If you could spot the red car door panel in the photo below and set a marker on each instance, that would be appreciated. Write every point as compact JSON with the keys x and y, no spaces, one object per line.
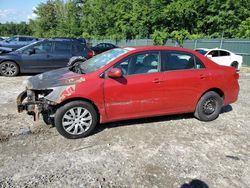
{"x":133,"y":96}
{"x":182,"y":89}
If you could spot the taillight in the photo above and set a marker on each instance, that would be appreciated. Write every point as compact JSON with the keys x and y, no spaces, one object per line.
{"x":236,"y":75}
{"x":90,"y":54}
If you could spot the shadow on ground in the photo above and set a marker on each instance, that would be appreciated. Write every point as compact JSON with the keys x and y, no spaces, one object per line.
{"x":104,"y":126}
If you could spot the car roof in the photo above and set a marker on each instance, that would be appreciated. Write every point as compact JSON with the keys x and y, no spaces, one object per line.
{"x":149,"y":48}
{"x":209,"y":49}
{"x":24,"y":36}
{"x":62,"y":40}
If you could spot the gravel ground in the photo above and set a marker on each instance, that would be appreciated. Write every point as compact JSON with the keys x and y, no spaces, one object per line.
{"x":171,"y":151}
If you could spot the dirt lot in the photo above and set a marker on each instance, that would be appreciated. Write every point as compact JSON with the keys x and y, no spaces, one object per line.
{"x":157,"y":152}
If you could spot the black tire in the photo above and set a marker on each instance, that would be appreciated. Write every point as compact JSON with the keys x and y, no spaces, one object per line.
{"x":65,"y":111}
{"x":209,"y":106}
{"x":9,"y":69}
{"x":235,"y":65}
{"x":48,"y":120}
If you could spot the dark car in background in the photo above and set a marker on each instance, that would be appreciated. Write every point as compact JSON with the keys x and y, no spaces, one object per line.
{"x":41,"y":56}
{"x":18,"y":41}
{"x":102,"y":47}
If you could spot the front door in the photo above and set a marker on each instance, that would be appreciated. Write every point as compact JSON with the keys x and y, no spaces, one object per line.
{"x":138,"y":93}
{"x":37,"y":58}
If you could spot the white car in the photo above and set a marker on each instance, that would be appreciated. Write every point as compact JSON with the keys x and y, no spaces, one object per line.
{"x":222,"y":57}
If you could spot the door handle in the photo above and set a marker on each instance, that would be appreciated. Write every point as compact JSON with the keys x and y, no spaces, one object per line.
{"x":156,"y":80}
{"x":202,"y":76}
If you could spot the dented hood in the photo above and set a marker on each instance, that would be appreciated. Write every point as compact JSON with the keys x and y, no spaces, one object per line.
{"x":52,"y":79}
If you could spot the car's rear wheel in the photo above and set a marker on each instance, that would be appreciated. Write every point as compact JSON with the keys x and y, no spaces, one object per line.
{"x":209,"y":106}
{"x":235,"y":64}
{"x":9,"y":69}
{"x":76,"y":119}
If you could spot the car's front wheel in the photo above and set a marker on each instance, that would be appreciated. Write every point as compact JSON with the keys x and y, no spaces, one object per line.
{"x":209,"y":106}
{"x":9,"y":69}
{"x":76,"y":119}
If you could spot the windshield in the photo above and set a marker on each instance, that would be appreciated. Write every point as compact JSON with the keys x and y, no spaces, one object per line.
{"x":101,"y":60}
{"x":201,"y":51}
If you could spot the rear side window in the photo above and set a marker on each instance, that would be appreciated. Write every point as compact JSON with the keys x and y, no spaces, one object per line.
{"x":78,"y":48}
{"x":172,"y":60}
{"x":224,"y":53}
{"x":29,"y":39}
{"x":62,"y":47}
{"x":214,"y":53}
{"x":22,"y":39}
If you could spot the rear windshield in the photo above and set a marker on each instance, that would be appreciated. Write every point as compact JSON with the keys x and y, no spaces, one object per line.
{"x":203,"y":52}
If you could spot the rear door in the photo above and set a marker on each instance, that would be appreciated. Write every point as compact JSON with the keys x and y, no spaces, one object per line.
{"x":184,"y":79}
{"x":60,"y":55}
{"x":39,"y":60}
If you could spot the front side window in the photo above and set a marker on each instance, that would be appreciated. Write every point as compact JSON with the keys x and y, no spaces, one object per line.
{"x":38,"y":48}
{"x":141,"y":63}
{"x":12,"y":39}
{"x":180,"y":61}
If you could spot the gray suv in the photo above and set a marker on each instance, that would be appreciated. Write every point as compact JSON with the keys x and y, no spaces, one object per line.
{"x":41,"y":56}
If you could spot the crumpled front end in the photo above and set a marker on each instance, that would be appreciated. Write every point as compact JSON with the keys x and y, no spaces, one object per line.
{"x":34,"y":103}
{"x":45,"y":91}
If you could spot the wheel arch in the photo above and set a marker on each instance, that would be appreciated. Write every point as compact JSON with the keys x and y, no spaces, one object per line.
{"x":235,"y":64}
{"x":81,"y":99}
{"x":215,"y":89}
{"x":11,"y":60}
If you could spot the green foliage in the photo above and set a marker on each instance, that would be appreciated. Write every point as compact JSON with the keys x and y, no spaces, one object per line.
{"x":126,"y":19}
{"x":160,"y":37}
{"x":180,"y":36}
{"x":14,"y":29}
{"x":244,"y":29}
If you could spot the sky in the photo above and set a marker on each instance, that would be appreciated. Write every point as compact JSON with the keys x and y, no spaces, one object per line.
{"x":18,"y":10}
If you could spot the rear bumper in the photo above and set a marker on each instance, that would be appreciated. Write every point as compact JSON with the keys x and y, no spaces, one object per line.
{"x":233,"y":94}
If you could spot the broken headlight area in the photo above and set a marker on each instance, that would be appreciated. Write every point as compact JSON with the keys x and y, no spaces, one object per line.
{"x":34,"y":102}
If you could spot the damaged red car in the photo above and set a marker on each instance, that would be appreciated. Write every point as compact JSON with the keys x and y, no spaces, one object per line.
{"x":129,"y":83}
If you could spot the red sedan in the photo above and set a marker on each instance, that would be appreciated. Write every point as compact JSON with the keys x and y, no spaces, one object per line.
{"x":128,"y":83}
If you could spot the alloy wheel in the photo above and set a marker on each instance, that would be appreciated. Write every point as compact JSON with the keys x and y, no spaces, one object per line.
{"x":77,"y":120}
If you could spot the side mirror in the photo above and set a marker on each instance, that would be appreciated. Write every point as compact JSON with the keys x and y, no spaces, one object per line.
{"x":31,"y":51}
{"x":209,"y":56}
{"x":115,"y":73}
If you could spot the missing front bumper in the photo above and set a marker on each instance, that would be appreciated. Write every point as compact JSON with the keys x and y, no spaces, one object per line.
{"x":26,"y":101}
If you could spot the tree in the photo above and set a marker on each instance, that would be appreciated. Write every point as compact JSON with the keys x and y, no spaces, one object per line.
{"x":47,"y":20}
{"x":180,"y":36}
{"x":244,"y":29}
{"x":160,"y":37}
